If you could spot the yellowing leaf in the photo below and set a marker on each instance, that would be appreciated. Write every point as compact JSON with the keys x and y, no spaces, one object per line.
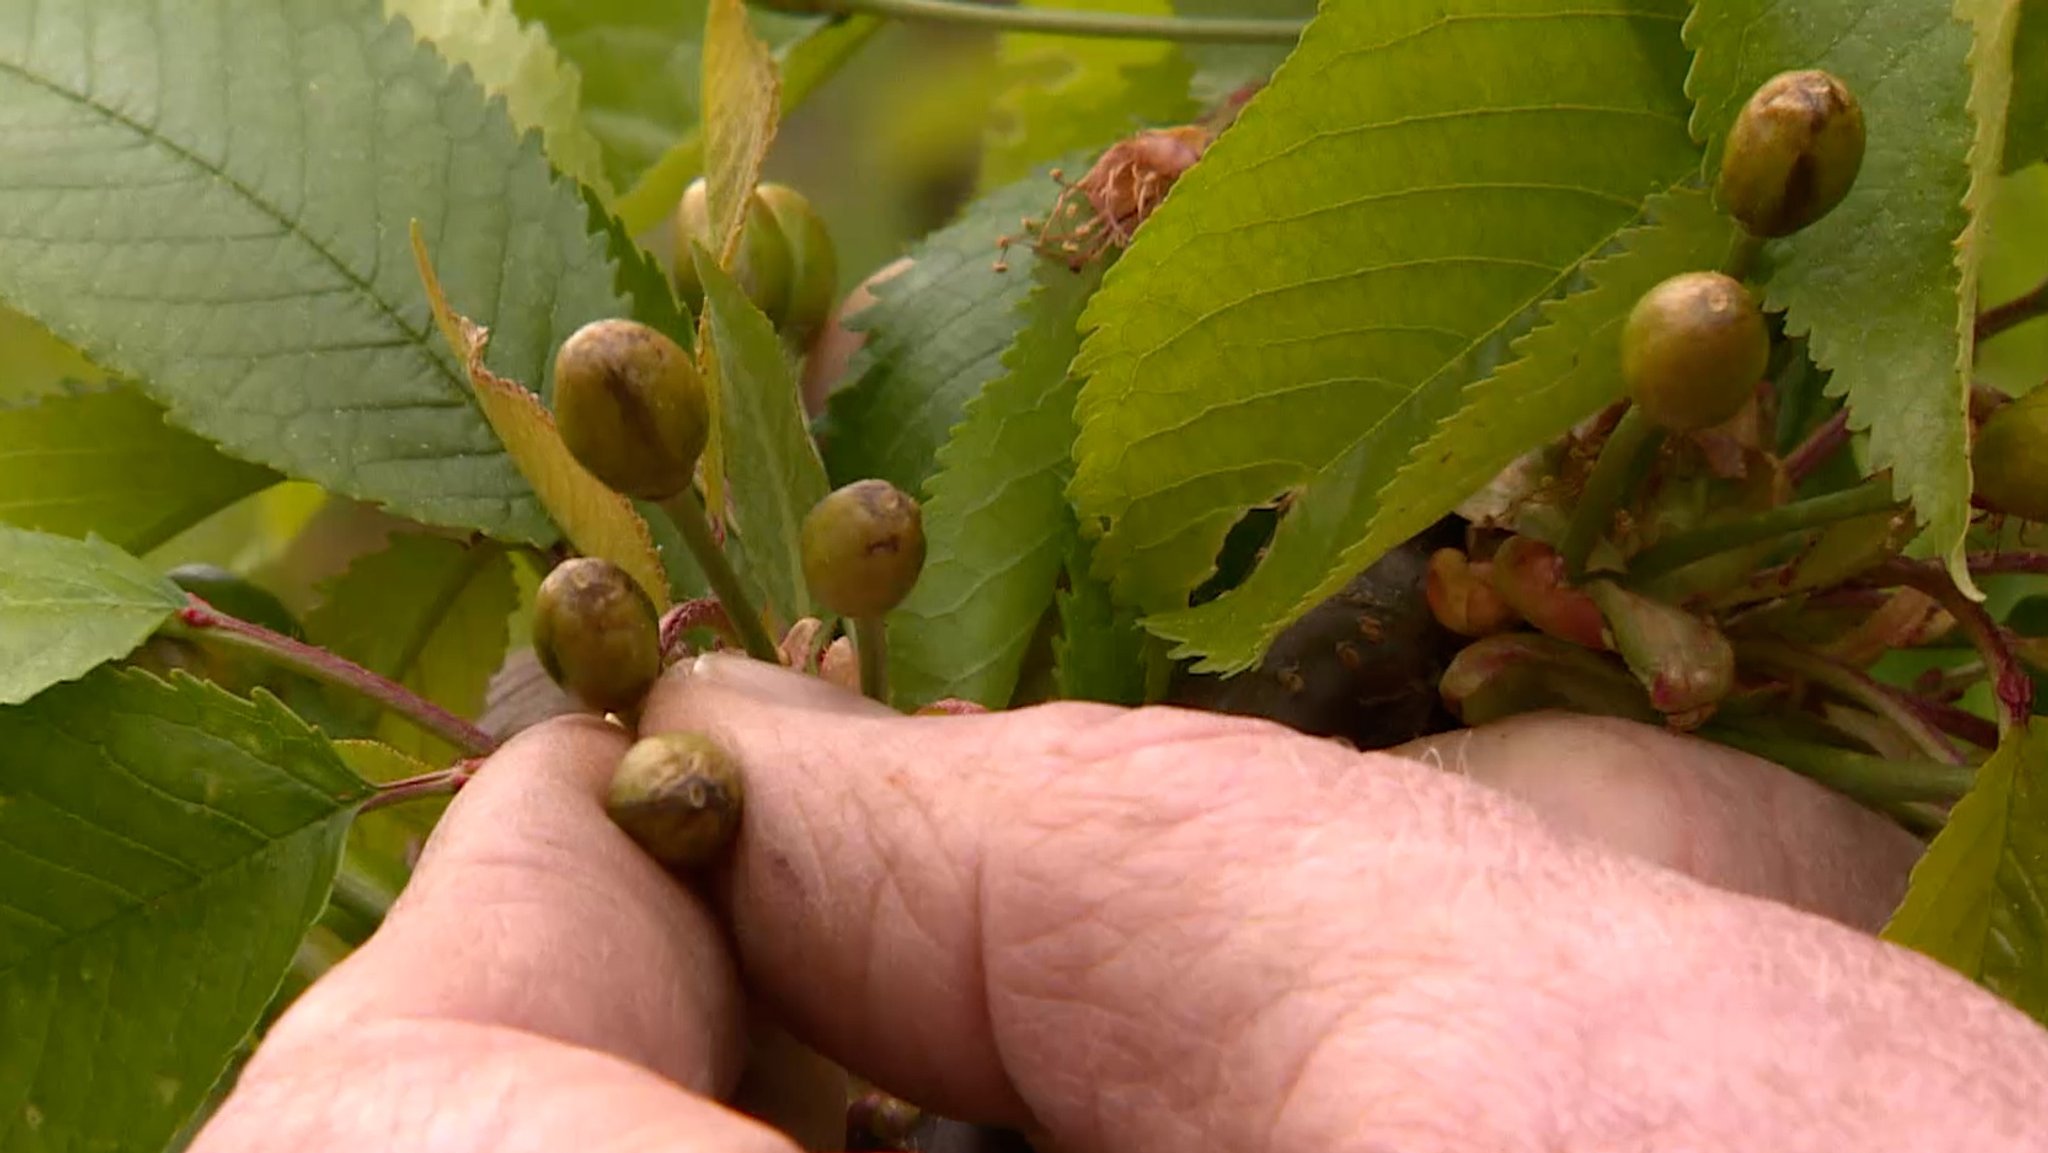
{"x":741,"y":92}
{"x":598,"y":521}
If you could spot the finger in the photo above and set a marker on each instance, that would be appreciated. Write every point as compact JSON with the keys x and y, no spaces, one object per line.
{"x":961,"y":907}
{"x":1716,"y":814}
{"x":454,"y":1087}
{"x":531,"y":911}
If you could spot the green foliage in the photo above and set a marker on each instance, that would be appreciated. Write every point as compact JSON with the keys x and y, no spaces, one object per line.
{"x":1316,"y":294}
{"x":1100,"y":654}
{"x":2026,"y":127}
{"x":104,"y":461}
{"x":429,"y":613}
{"x":1066,"y":94}
{"x":640,"y":63}
{"x":163,"y":848}
{"x":382,"y":843}
{"x":542,"y":92}
{"x":773,"y":465}
{"x":2015,"y":262}
{"x":286,"y":320}
{"x":936,"y":335}
{"x":67,"y":605}
{"x":1978,"y":901}
{"x":996,"y":520}
{"x":1876,"y":286}
{"x":1566,"y":370}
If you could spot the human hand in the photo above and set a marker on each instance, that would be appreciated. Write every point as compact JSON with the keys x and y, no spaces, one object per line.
{"x":1148,"y":930}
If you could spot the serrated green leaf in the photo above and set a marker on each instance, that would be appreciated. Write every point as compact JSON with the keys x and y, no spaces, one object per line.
{"x":1978,"y":901}
{"x":1221,"y":69}
{"x":103,"y":461}
{"x":2026,"y":127}
{"x":214,"y":206}
{"x":641,"y":278}
{"x":163,"y":848}
{"x":640,"y":69}
{"x":1100,"y":652}
{"x":1322,"y":286}
{"x":996,"y":522}
{"x":1564,"y":371}
{"x":1066,"y":94}
{"x":1877,"y":286}
{"x":429,"y":613}
{"x":33,"y":363}
{"x":2015,"y":262}
{"x":774,"y":467}
{"x":542,"y":92}
{"x":935,"y":335}
{"x":68,"y":605}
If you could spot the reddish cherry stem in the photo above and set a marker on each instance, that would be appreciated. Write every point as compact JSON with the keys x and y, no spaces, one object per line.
{"x":2013,"y":313}
{"x":2006,"y":563}
{"x":208,"y":625}
{"x":1815,"y":450}
{"x":423,"y":787}
{"x":1953,"y":721}
{"x":700,"y":613}
{"x":2010,"y":684}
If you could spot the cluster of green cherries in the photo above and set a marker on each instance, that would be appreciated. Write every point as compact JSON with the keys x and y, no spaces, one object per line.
{"x":1695,"y":345}
{"x":630,"y":405}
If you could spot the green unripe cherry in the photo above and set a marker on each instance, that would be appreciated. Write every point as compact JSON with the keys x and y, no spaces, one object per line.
{"x":1693,"y":350}
{"x":631,"y":408}
{"x":2010,"y":458}
{"x":763,"y":267}
{"x":1792,"y":154}
{"x":597,"y":634}
{"x":863,"y":548}
{"x":678,"y":795}
{"x":814,"y":263}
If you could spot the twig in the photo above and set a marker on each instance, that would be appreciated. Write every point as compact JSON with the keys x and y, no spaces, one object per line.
{"x":2013,"y":313}
{"x":1857,"y":686}
{"x":1815,"y":450}
{"x":1628,"y":453}
{"x":202,"y":623}
{"x":2004,"y":563}
{"x":2010,"y":684}
{"x":1867,"y":499}
{"x":426,"y":786}
{"x":1058,"y":21}
{"x":687,"y":511}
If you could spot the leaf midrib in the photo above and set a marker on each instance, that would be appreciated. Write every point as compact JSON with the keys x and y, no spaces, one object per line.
{"x":415,"y":338}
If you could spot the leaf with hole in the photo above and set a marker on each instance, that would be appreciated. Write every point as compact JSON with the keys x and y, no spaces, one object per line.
{"x":1978,"y":901}
{"x":163,"y":848}
{"x":69,"y":605}
{"x":1316,"y":294}
{"x":177,"y":203}
{"x":1567,"y":369}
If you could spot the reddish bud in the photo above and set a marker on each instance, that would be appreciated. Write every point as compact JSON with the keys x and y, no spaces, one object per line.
{"x":1530,"y":577}
{"x":1685,"y":663}
{"x":1462,"y":597}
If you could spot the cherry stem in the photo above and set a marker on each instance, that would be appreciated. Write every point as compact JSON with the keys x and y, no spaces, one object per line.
{"x":206,"y":625}
{"x":2010,"y":685}
{"x":1957,"y":722}
{"x":1057,"y":21}
{"x":701,"y":613}
{"x":1668,"y":556}
{"x":871,"y":644}
{"x":1815,"y":450}
{"x":686,"y":509}
{"x":1900,"y":788}
{"x":424,"y":787}
{"x":2007,"y":563}
{"x":1791,"y":661}
{"x":2013,"y":313}
{"x":1743,"y":249}
{"x":1630,"y":450}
